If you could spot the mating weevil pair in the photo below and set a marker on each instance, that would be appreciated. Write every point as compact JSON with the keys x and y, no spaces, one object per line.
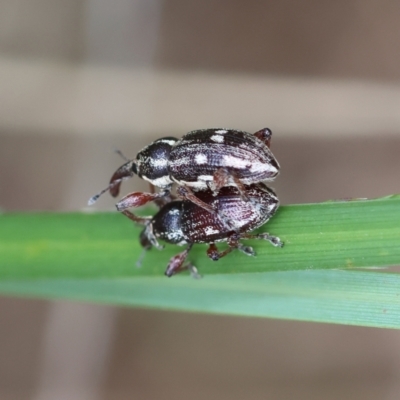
{"x":219,"y":174}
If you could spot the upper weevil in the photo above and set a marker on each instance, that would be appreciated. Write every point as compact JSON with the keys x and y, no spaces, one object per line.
{"x":202,"y":159}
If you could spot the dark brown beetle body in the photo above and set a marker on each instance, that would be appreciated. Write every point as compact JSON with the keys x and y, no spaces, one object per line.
{"x":199,"y":226}
{"x":183,"y":222}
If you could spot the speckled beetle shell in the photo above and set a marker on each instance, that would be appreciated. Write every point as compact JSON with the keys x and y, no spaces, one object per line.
{"x":203,"y":160}
{"x":183,"y":222}
{"x":200,"y":226}
{"x":195,"y":158}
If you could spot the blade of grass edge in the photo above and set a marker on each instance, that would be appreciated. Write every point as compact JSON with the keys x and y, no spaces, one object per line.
{"x":345,"y":297}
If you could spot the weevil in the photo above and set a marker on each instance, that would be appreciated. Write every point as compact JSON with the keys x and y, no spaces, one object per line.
{"x":182,"y":222}
{"x":205,"y":159}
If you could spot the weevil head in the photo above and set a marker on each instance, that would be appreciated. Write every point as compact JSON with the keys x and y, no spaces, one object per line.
{"x":125,"y":171}
{"x":167,"y":223}
{"x":152,"y":162}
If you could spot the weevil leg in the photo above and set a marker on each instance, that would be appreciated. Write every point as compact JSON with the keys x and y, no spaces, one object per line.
{"x":248,"y":250}
{"x":244,"y":249}
{"x":135,"y":218}
{"x":215,"y":254}
{"x":175,"y":264}
{"x":161,"y":201}
{"x":265,"y":136}
{"x":137,"y":199}
{"x":274,"y":240}
{"x":241,"y":188}
{"x":186,"y":193}
{"x":234,"y":242}
{"x":222,"y":177}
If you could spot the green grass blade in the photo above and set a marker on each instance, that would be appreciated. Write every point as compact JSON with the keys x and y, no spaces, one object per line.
{"x":346,"y":297}
{"x":317,"y":236}
{"x":92,"y":257}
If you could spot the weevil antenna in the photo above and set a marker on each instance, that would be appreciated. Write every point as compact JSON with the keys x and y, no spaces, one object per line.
{"x":141,"y":258}
{"x":118,"y":151}
{"x":94,"y":198}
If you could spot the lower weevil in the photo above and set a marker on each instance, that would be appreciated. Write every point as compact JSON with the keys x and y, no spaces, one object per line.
{"x":185,"y":223}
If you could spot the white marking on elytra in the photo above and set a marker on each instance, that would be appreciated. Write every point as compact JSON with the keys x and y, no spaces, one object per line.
{"x":255,"y":166}
{"x":221,"y":131}
{"x":235,"y":162}
{"x":168,"y":141}
{"x":200,"y":159}
{"x":210,"y":230}
{"x":217,"y":138}
{"x":179,"y":162}
{"x":200,"y":183}
{"x":205,"y":178}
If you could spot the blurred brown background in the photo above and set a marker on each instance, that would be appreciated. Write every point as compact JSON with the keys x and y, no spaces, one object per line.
{"x":81,"y":78}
